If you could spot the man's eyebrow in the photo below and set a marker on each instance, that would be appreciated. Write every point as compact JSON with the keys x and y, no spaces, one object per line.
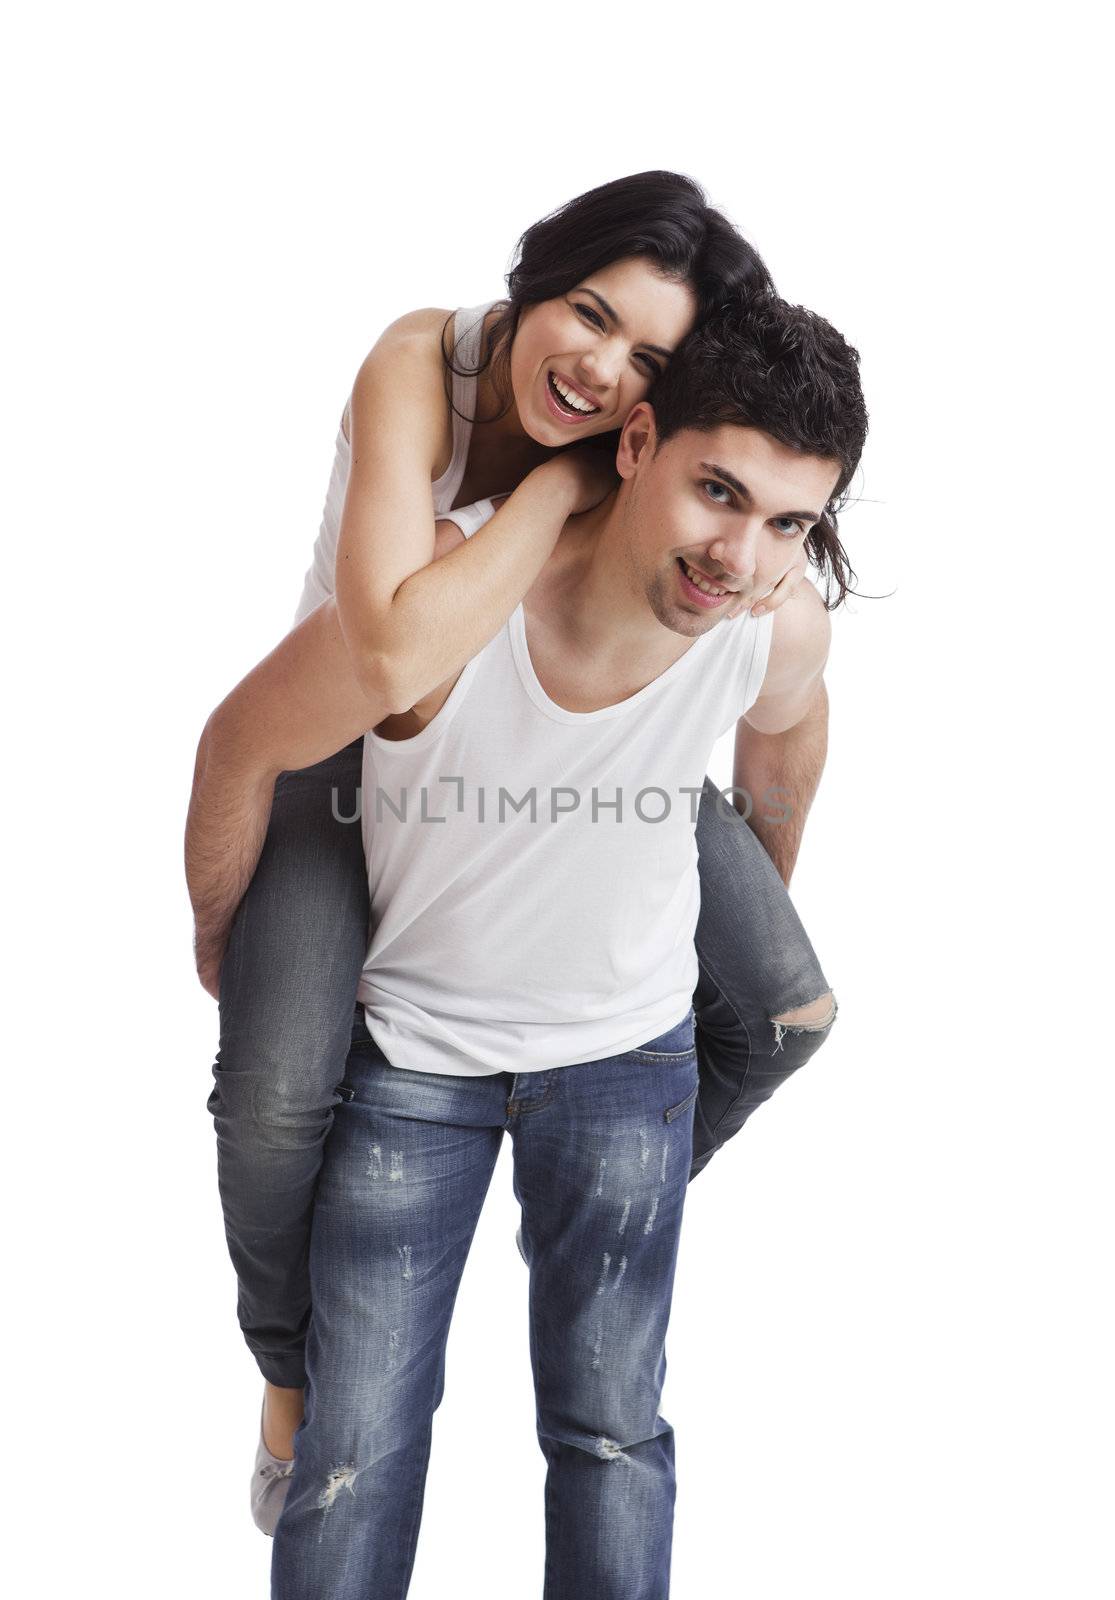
{"x":745,"y":493}
{"x":611,"y":312}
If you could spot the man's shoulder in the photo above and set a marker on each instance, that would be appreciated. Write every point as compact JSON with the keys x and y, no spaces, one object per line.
{"x":801,"y":633}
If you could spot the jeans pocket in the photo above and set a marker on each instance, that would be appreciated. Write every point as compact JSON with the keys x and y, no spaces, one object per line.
{"x":676,"y":1044}
{"x":679,"y":1110}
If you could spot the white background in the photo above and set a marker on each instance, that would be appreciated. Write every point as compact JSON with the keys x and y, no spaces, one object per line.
{"x":890,"y":1349}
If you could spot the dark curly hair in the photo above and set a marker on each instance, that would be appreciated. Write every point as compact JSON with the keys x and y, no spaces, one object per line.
{"x":662,"y":217}
{"x":780,"y":368}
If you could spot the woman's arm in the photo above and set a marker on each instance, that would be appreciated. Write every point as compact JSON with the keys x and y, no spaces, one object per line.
{"x":409,"y":622}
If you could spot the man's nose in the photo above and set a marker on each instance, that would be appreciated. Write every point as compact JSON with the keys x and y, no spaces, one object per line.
{"x":737,"y":552}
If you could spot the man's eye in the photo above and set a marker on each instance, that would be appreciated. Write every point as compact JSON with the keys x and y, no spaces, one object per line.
{"x":711,"y":483}
{"x":789,"y":526}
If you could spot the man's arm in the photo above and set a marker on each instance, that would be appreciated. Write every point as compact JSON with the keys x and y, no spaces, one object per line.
{"x":782,"y":739}
{"x":301,"y":704}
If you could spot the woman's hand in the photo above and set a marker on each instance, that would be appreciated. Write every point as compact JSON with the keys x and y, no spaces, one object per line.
{"x":587,"y":473}
{"x":783,"y":590}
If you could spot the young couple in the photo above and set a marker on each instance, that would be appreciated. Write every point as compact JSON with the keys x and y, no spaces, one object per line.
{"x":549,"y":923}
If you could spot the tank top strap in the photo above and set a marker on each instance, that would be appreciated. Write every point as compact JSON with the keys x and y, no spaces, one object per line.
{"x":468,"y":329}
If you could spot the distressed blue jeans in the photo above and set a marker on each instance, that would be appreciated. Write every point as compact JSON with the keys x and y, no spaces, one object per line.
{"x":602,"y":1153}
{"x":288,"y":986}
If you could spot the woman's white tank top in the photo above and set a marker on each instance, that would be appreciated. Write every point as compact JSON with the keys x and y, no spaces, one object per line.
{"x":468,"y":327}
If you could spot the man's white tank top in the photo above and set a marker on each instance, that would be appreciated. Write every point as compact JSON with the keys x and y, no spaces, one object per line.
{"x":468,"y":327}
{"x":537,"y":906}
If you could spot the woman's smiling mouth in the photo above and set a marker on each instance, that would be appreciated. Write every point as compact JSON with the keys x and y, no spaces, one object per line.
{"x":568,"y":403}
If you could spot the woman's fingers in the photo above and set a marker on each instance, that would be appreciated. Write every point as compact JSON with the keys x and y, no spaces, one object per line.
{"x":782,"y":590}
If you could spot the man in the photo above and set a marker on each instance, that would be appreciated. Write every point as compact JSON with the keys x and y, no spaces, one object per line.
{"x":529,"y":828}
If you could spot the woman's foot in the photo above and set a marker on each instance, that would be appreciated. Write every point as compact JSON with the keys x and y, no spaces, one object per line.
{"x":271,"y":1476}
{"x":283,"y":1410}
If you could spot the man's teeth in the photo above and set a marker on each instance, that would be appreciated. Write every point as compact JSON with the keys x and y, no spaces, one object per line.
{"x":574,"y":401}
{"x":701,"y":583}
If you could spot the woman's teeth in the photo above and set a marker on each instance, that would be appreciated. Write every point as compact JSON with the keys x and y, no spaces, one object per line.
{"x":699,"y":582}
{"x":570,"y":399}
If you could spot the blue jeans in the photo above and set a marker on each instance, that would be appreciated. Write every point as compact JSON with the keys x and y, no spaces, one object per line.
{"x":288,"y":986}
{"x":602,"y":1152}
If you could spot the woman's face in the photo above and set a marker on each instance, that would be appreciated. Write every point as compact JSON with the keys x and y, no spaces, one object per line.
{"x":580,"y":362}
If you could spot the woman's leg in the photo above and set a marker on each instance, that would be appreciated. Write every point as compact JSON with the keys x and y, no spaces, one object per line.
{"x":288,"y":986}
{"x":756,"y":966}
{"x":407,"y":1167}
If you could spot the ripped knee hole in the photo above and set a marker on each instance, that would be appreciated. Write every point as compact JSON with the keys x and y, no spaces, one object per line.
{"x":816,"y":1014}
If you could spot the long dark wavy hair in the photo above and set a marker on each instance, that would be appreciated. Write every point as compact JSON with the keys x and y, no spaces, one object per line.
{"x":660,"y":216}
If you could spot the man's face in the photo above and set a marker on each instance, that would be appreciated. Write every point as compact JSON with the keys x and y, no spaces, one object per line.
{"x":714,"y":520}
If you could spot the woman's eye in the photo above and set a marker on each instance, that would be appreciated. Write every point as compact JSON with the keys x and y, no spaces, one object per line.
{"x":651,"y":367}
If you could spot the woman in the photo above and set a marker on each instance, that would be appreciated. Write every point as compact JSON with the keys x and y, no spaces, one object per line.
{"x":602,"y":292}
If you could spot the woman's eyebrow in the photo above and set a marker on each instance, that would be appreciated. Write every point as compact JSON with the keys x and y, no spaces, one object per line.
{"x":611,"y":312}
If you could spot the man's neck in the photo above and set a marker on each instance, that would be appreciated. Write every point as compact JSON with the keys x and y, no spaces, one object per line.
{"x":591,"y":595}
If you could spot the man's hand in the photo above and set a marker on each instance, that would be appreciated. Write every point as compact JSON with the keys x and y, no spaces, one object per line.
{"x":208,"y":961}
{"x":298,"y":706}
{"x":230,"y":807}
